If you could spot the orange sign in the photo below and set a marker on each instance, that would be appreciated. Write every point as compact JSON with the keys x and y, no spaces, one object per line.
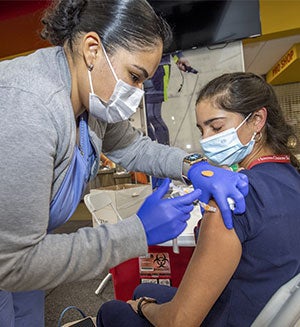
{"x":285,"y":61}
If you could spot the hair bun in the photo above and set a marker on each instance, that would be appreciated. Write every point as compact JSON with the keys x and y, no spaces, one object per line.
{"x":61,"y":19}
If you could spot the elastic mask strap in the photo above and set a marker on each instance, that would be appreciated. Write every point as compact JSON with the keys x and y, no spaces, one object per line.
{"x":90,"y":79}
{"x":109,"y":63}
{"x":243,"y":121}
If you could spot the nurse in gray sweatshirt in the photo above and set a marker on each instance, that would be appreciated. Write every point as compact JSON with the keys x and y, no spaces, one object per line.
{"x":60,"y":108}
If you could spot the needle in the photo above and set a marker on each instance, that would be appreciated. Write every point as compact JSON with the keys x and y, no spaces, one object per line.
{"x":206,"y":206}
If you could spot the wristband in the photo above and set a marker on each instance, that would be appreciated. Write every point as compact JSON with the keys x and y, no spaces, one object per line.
{"x":144,"y":300}
{"x":188,"y":161}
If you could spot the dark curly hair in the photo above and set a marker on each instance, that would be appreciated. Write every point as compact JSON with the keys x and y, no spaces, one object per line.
{"x":130,"y":24}
{"x":245,"y":93}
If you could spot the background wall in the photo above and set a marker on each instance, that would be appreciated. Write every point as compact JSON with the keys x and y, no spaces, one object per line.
{"x":20,"y":26}
{"x":289,"y":99}
{"x":179,"y":111}
{"x":279,"y":18}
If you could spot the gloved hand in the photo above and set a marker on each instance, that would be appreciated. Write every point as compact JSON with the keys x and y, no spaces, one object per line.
{"x":165,"y":219}
{"x":220,"y":184}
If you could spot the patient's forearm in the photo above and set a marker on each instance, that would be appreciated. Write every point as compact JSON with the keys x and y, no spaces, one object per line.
{"x":160,"y":315}
{"x":167,"y":315}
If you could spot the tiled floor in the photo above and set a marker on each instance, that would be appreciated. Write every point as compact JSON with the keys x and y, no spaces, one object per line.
{"x":79,"y":294}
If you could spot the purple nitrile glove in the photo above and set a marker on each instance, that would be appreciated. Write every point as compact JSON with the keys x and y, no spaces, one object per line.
{"x":165,"y":219}
{"x":220,"y":184}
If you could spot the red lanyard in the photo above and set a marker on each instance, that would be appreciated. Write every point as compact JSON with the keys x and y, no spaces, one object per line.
{"x":275,"y":158}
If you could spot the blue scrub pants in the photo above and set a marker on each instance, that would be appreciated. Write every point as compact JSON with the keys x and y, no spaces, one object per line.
{"x":22,"y":309}
{"x":120,"y":314}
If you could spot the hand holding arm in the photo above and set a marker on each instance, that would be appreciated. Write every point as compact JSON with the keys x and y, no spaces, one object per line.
{"x":220,"y":184}
{"x":165,"y":219}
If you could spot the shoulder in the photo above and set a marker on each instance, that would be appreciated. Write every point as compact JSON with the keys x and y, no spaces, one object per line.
{"x":35,"y":99}
{"x":38,"y":84}
{"x":35,"y":72}
{"x":43,"y":74}
{"x":274,"y":192}
{"x":269,"y":175}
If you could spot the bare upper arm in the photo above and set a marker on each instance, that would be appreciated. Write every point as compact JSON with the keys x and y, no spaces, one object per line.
{"x":213,"y":263}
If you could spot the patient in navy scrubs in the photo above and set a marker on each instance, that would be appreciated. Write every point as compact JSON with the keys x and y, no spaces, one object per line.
{"x":233,"y":273}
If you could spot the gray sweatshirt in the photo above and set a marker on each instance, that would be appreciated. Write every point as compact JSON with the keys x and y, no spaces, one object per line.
{"x":38,"y":135}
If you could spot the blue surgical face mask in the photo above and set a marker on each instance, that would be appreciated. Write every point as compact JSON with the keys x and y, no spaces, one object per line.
{"x":226,"y":148}
{"x":122,"y":104}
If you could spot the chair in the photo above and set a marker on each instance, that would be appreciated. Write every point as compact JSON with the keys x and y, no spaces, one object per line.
{"x":283,"y":309}
{"x":103,"y":211}
{"x":114,"y":204}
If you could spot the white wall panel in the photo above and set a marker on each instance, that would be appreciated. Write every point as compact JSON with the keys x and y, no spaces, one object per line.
{"x":179,"y":111}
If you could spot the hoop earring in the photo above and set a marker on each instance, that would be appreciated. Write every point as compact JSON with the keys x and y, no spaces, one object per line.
{"x":90,"y":67}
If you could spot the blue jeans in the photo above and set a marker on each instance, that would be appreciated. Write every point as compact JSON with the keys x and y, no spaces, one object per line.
{"x":22,"y":309}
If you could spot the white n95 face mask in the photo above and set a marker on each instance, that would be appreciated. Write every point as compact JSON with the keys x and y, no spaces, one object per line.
{"x":122,"y":104}
{"x":226,"y":148}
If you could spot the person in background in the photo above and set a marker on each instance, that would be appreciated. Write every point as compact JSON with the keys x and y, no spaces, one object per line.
{"x":156,"y":92}
{"x":60,"y":108}
{"x":232,"y":273}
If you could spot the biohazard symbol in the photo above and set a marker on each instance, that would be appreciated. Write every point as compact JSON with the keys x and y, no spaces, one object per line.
{"x":161,"y":260}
